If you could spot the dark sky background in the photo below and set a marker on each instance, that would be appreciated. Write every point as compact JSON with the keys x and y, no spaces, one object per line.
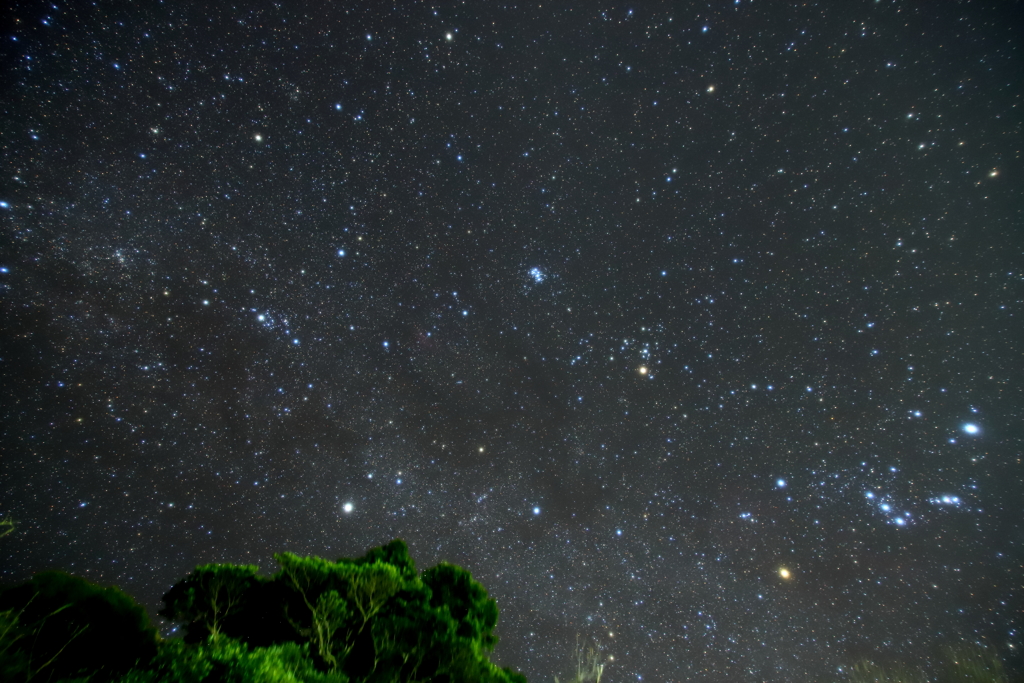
{"x":633,"y":310}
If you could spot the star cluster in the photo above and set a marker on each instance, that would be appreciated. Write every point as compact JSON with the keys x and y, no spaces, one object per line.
{"x":692,"y":329}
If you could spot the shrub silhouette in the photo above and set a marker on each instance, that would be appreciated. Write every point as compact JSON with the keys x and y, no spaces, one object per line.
{"x":62,"y":626}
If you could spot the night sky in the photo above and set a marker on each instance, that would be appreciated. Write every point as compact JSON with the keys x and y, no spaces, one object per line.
{"x":691,"y":328}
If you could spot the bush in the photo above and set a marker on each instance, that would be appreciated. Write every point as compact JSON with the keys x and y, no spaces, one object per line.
{"x":60,"y":626}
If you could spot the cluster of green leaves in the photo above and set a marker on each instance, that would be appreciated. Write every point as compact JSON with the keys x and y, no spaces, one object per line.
{"x":225,"y":660}
{"x":59,"y":626}
{"x":372,"y":619}
{"x":587,"y":664}
{"x":964,"y":663}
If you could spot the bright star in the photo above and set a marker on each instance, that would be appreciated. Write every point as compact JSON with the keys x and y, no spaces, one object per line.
{"x":347,"y":507}
{"x":784,"y":573}
{"x":972,"y":428}
{"x":536,"y":511}
{"x":780,"y":483}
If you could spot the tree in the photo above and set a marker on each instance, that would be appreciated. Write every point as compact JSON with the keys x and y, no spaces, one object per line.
{"x":7,"y":526}
{"x":320,"y":585}
{"x":61,"y":626}
{"x":371,"y":619}
{"x":369,"y":587}
{"x":586,"y":663}
{"x":971,"y":663}
{"x":454,"y":590}
{"x":960,"y":663}
{"x":316,"y":581}
{"x":870,"y":672}
{"x":229,"y":661}
{"x":395,"y":553}
{"x":18,"y":662}
{"x":402,"y":644}
{"x":209,"y":596}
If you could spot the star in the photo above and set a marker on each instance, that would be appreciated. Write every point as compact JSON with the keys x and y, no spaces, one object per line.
{"x":802,"y":233}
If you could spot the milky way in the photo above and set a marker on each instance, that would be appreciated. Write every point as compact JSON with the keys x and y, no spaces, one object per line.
{"x":691,"y":329}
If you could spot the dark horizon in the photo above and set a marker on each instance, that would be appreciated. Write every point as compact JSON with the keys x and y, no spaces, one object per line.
{"x":693,"y":329}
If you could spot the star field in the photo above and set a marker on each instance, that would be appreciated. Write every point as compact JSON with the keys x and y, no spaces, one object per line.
{"x":693,"y":329}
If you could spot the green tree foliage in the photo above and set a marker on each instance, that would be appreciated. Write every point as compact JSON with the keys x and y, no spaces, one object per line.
{"x":454,"y":591}
{"x":971,"y":663}
{"x":869,"y":672}
{"x":224,"y":660}
{"x":587,"y":664}
{"x":372,"y":619}
{"x":209,"y":597}
{"x":962,"y":663}
{"x":395,"y":553}
{"x":59,"y":626}
{"x":7,"y":526}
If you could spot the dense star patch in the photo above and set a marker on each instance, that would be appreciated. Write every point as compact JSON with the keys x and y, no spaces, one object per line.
{"x":693,"y":330}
